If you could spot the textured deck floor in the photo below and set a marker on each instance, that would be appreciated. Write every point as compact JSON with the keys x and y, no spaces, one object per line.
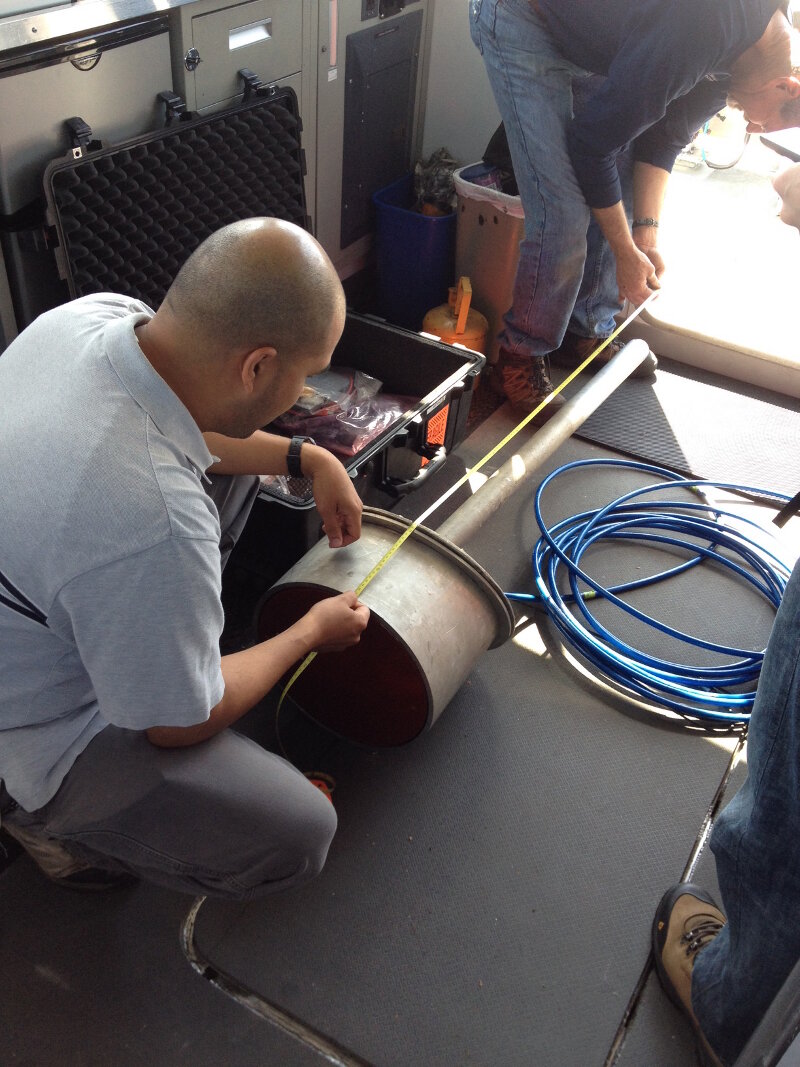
{"x":487,"y":899}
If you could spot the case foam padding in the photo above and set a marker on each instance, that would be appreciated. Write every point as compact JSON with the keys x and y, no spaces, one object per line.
{"x":128,"y":216}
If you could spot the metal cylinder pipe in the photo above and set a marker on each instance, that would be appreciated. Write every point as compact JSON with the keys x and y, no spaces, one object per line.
{"x":515,"y":473}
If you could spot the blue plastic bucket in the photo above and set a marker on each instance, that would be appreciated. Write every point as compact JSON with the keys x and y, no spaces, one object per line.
{"x":415,"y":256}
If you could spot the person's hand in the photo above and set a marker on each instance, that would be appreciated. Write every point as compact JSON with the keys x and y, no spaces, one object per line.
{"x":787,"y":186}
{"x":337,"y":501}
{"x":646,"y":240}
{"x":639,"y":273}
{"x":338,"y":622}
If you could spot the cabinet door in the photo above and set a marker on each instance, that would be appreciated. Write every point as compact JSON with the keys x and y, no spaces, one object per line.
{"x":264,"y":35}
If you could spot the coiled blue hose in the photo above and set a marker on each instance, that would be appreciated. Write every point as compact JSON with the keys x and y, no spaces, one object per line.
{"x":724,"y":693}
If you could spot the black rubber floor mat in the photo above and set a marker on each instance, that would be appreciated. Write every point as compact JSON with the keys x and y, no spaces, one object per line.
{"x":703,"y":425}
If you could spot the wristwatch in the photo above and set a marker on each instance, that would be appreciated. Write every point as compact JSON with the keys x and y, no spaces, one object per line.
{"x":293,"y":455}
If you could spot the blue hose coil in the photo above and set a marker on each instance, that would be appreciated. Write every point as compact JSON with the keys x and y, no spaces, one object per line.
{"x":697,"y":693}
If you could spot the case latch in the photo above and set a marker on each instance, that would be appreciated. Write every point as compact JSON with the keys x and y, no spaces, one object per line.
{"x":173,"y":105}
{"x":80,"y":133}
{"x":253,"y":85}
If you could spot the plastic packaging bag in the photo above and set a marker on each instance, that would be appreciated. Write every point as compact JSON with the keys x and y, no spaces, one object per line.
{"x":343,"y":411}
{"x":333,"y":390}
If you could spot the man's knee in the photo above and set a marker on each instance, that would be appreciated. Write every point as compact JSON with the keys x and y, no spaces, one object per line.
{"x":297,"y":853}
{"x":313,"y":840}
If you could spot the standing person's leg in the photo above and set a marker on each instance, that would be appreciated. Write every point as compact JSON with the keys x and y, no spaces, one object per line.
{"x":732,"y":976}
{"x":224,"y":817}
{"x":598,"y":304}
{"x":598,"y":298}
{"x":532,"y":85}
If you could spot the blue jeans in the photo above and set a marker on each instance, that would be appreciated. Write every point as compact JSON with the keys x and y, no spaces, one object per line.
{"x":756,"y":845}
{"x":566,"y":276}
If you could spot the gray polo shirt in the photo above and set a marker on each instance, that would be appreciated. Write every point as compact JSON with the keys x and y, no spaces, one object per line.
{"x":106,"y":529}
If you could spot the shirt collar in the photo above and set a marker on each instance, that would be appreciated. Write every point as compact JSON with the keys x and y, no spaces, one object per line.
{"x":151,"y":392}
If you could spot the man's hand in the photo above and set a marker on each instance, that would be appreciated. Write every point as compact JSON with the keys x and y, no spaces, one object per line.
{"x":337,"y":501}
{"x":338,"y":622}
{"x":639,"y":263}
{"x":787,"y":186}
{"x":638,"y":273}
{"x":330,"y":625}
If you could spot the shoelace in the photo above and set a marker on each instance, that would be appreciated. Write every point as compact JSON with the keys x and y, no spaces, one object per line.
{"x":700,"y":935}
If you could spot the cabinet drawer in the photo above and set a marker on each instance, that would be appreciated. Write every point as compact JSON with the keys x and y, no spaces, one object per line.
{"x":264,"y":35}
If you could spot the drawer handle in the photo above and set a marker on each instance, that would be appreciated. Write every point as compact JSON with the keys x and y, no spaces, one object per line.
{"x":250,"y":34}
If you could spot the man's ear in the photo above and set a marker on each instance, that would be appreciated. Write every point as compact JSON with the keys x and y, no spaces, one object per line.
{"x":789,"y":84}
{"x":255,"y":364}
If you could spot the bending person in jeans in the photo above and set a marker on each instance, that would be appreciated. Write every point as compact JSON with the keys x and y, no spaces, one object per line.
{"x":597,"y":102}
{"x":725,"y":974}
{"x":131,"y":448}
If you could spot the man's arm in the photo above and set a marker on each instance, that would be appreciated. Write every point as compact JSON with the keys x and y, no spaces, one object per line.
{"x":261,"y":453}
{"x":639,"y":263}
{"x":334,"y":623}
{"x":337,"y":501}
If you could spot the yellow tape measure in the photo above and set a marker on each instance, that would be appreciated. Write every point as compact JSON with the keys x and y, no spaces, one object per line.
{"x":393,"y":549}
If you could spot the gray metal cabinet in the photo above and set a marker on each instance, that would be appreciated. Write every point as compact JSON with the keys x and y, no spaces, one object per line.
{"x":276,"y":39}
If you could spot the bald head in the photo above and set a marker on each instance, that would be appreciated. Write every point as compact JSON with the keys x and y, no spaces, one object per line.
{"x":258,"y":282}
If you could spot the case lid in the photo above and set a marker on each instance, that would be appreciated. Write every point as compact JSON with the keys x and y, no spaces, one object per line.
{"x":128,"y":216}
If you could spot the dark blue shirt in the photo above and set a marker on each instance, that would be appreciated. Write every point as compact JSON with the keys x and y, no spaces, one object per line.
{"x":667,"y":67}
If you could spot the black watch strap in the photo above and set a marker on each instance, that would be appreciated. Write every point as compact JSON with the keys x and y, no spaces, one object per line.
{"x":293,"y":455}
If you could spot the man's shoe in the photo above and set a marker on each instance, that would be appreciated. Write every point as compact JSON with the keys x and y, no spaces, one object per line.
{"x":687,"y":921}
{"x":525,"y":384}
{"x":575,"y":349}
{"x":59,"y":865}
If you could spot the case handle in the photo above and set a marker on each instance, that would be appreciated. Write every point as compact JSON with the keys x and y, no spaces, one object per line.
{"x":463,"y":300}
{"x":395,"y":488}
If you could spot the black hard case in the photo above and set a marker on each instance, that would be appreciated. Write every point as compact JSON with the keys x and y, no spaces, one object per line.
{"x":126,"y":217}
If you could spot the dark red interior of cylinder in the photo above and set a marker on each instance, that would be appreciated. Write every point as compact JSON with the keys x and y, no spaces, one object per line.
{"x":373,"y":693}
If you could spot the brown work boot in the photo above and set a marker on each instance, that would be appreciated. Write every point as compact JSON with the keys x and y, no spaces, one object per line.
{"x":687,"y":921}
{"x":525,"y":384}
{"x":575,"y":349}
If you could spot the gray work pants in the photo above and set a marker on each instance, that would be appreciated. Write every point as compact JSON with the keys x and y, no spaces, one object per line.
{"x":224,"y":817}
